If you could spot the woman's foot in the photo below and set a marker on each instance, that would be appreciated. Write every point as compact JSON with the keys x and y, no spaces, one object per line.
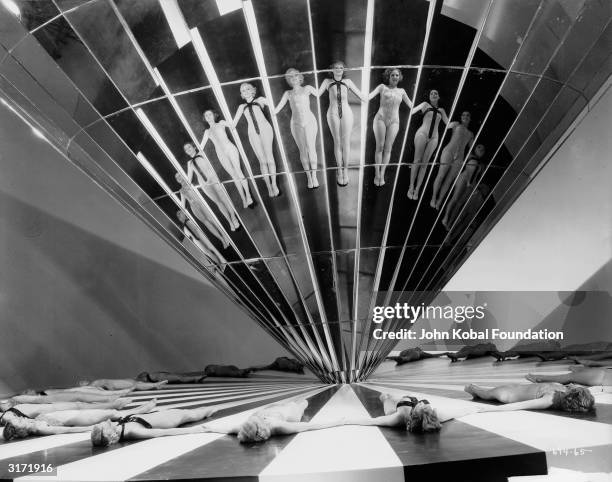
{"x":315,"y":181}
{"x":445,"y":223}
{"x":376,"y":180}
{"x":532,"y":378}
{"x":158,"y":385}
{"x":410,"y":193}
{"x":122,"y":402}
{"x":236,"y":225}
{"x":433,"y":204}
{"x":384,"y":396}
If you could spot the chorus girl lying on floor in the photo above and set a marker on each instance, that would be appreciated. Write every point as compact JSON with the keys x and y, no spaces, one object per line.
{"x":64,"y":421}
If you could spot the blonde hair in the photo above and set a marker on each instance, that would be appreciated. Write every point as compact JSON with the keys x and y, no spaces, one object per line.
{"x":291,"y":72}
{"x":251,"y":87}
{"x":254,"y":429}
{"x":103,"y":438}
{"x":423,"y":418}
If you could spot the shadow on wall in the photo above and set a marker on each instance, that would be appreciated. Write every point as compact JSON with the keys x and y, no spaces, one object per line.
{"x":74,"y":305}
{"x":585,"y":315}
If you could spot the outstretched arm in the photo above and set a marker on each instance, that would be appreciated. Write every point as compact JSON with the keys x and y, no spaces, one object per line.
{"x":238,"y":115}
{"x":204,"y":139}
{"x":323,"y":87}
{"x":393,"y":420}
{"x":537,"y":404}
{"x":444,"y":116}
{"x":288,"y":428}
{"x":138,"y":432}
{"x":351,"y":85}
{"x":406,"y":99}
{"x":419,"y":107}
{"x":375,"y":92}
{"x":282,"y":103}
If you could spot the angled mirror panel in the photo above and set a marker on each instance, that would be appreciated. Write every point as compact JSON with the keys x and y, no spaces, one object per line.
{"x":34,"y":13}
{"x":100,"y":29}
{"x":399,"y":32}
{"x":65,"y":47}
{"x":284,"y":34}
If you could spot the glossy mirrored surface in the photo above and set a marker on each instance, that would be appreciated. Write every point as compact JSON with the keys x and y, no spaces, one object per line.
{"x":294,"y":150}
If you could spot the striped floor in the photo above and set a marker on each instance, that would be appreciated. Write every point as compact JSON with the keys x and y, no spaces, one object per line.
{"x":480,"y":447}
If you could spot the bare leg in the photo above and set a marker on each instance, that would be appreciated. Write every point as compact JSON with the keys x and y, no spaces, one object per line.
{"x":420,"y":142}
{"x":257,"y":146}
{"x":334,"y":123}
{"x":234,"y":158}
{"x":581,"y":375}
{"x":311,"y":143}
{"x":299,"y":136}
{"x":228,"y":207}
{"x":503,"y":394}
{"x":347,"y":128}
{"x":445,"y":163}
{"x":448,"y":180}
{"x":429,"y":150}
{"x":174,"y":417}
{"x":389,"y":140}
{"x":267,"y":138}
{"x":149,"y":386}
{"x":380,"y":132}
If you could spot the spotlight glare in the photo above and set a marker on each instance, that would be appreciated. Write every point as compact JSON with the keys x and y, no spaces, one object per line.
{"x":12,"y":7}
{"x":176,"y":21}
{"x":38,"y":134}
{"x":227,"y":6}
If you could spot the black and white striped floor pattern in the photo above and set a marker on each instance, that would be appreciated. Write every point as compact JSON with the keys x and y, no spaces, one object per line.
{"x":480,"y":447}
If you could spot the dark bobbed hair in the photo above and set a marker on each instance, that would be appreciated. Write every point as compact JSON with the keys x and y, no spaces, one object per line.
{"x":386,"y":75}
{"x":215,"y":114}
{"x":577,"y":399}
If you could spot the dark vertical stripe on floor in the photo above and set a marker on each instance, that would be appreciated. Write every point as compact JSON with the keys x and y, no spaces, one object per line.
{"x":458,"y":452}
{"x":74,"y":452}
{"x":228,"y":460}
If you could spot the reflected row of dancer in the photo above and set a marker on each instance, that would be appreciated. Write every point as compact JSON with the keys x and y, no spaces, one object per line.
{"x":257,"y":110}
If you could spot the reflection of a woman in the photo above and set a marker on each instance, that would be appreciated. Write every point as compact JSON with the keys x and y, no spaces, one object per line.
{"x":194,"y":233}
{"x":188,"y":195}
{"x":260,"y":134}
{"x":303,"y":122}
{"x":211,"y":185}
{"x":425,"y":140}
{"x":227,"y":154}
{"x":340,"y":116}
{"x":451,"y":158}
{"x":386,"y":120}
{"x":466,"y":179}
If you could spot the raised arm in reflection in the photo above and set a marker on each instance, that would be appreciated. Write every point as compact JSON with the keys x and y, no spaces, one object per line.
{"x":208,"y":180}
{"x":340,"y":116}
{"x":386,"y":121}
{"x":188,"y":195}
{"x":452,"y":158}
{"x":193,"y":232}
{"x":468,"y":177}
{"x":425,"y":140}
{"x":227,"y":154}
{"x":303,"y":122}
{"x":260,"y":134}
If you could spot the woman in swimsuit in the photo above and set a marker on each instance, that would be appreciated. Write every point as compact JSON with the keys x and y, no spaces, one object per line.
{"x":467,"y":178}
{"x":280,"y":419}
{"x":197,"y":237}
{"x":451,"y":158}
{"x":417,"y":416}
{"x":340,"y":116}
{"x":188,"y":195}
{"x":303,"y":122}
{"x":208,"y":180}
{"x":535,"y":396}
{"x":425,"y":140}
{"x":227,"y":154}
{"x":260,"y":133}
{"x":386,"y":120}
{"x":64,"y":396}
{"x":33,"y":410}
{"x":150,"y":425}
{"x":589,"y":376}
{"x":53,"y":423}
{"x":122,"y":384}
